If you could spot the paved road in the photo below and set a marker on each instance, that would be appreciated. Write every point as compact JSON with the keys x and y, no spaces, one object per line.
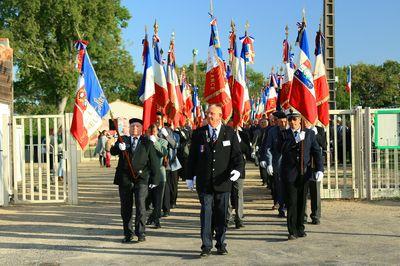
{"x":89,"y":234}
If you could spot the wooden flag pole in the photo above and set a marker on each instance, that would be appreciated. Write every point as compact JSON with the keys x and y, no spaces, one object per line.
{"x":124,"y":152}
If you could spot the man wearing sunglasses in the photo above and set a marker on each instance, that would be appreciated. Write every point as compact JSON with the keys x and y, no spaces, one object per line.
{"x":298,"y":146}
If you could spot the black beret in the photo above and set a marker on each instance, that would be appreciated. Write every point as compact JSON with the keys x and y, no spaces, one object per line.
{"x":279,"y":114}
{"x":135,"y":120}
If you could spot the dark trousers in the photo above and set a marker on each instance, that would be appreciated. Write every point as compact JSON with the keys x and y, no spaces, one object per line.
{"x":315,"y":196}
{"x":296,"y":196}
{"x":156,"y":195}
{"x":126,"y":194}
{"x":166,"y":202}
{"x":174,"y":186}
{"x":237,"y":199}
{"x":214,"y":206}
{"x":263,"y":174}
{"x":279,"y":192}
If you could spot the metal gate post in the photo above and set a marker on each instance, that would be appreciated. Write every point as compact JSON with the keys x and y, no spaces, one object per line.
{"x":359,"y":173}
{"x":368,"y":152}
{"x":4,"y":160}
{"x":72,"y":163}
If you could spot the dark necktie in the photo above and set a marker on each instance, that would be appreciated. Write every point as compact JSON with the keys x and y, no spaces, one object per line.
{"x":134,"y":143}
{"x":214,"y":135}
{"x":295,"y":134}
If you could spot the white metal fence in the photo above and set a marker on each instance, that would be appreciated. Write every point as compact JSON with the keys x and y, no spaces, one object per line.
{"x":44,"y":159}
{"x":355,"y":168}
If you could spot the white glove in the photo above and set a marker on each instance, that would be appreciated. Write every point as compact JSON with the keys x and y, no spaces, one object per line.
{"x":122,"y":146}
{"x":318,"y":176}
{"x":263,"y":164}
{"x":151,"y":186}
{"x":315,"y":130}
{"x":257,"y":148}
{"x":235,"y":174}
{"x":253,"y":155}
{"x":300,"y":136}
{"x":164,"y":132}
{"x":270,"y":170}
{"x":190,"y":184}
{"x":153,"y":138}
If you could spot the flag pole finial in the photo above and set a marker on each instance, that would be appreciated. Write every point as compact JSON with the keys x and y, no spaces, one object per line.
{"x":233,"y":26}
{"x":246,"y":27}
{"x":287,"y":31}
{"x":173,"y":36}
{"x":304,"y":17}
{"x":272,"y":69}
{"x":320,"y":23}
{"x":145,"y":30}
{"x":211,"y":9}
{"x":194,"y":52}
{"x":155,"y":27}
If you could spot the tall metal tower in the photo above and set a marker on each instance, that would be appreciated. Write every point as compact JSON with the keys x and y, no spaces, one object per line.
{"x":329,"y":50}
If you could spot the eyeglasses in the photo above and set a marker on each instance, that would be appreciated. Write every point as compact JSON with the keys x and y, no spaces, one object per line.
{"x":292,"y":118}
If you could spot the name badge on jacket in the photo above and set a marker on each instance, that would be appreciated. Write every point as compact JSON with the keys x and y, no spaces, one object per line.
{"x":226,"y":143}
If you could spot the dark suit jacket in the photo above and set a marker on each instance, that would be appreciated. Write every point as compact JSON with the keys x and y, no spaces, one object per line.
{"x":291,"y":154}
{"x":144,"y":161}
{"x":271,"y":151}
{"x":212,"y":163}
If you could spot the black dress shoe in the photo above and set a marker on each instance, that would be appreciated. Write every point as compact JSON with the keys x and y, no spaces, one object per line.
{"x":157,"y":225}
{"x":141,"y":238}
{"x":239,"y":224}
{"x":315,"y":221}
{"x":149,"y":221}
{"x":302,"y":234}
{"x":281,"y":214}
{"x":292,"y":237}
{"x":222,"y":251}
{"x":205,"y":252}
{"x":165,"y":214}
{"x":127,"y":239}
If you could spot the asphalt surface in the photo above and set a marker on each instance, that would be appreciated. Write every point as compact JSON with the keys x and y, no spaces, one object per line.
{"x":351,"y":232}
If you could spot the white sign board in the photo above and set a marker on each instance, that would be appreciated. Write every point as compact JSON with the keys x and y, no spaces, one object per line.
{"x":387,"y":129}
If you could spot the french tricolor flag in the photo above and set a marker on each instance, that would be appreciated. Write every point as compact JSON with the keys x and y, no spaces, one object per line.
{"x":91,"y":104}
{"x":196,"y":108}
{"x":302,"y":94}
{"x":320,"y":82}
{"x":174,"y":107}
{"x":240,"y":94}
{"x":147,"y":90}
{"x":160,"y":81}
{"x":287,"y":80}
{"x":186,"y":96}
{"x":270,"y":100}
{"x":216,"y":90}
{"x":348,"y":83}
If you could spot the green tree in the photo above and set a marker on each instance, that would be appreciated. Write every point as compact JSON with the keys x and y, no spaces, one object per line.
{"x":255,"y":81}
{"x":372,"y":86}
{"x":201,"y":68}
{"x":42,"y":34}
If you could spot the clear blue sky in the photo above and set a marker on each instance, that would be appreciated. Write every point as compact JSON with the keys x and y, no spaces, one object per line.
{"x":366,"y":30}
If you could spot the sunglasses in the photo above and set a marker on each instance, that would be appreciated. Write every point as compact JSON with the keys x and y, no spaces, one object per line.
{"x":293,"y":118}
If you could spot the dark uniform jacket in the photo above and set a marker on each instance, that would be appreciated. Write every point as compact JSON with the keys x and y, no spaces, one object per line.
{"x":144,"y":161}
{"x":272,"y":153}
{"x":212,"y":163}
{"x":291,"y":154}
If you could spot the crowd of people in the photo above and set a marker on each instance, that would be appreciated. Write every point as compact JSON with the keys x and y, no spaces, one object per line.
{"x":211,"y":159}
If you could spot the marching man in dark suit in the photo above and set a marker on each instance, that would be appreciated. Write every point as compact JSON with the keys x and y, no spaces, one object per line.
{"x":144,"y":161}
{"x":297,"y":144}
{"x":215,"y":161}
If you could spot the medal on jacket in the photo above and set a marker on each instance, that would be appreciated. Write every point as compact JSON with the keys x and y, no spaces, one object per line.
{"x":208,"y":137}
